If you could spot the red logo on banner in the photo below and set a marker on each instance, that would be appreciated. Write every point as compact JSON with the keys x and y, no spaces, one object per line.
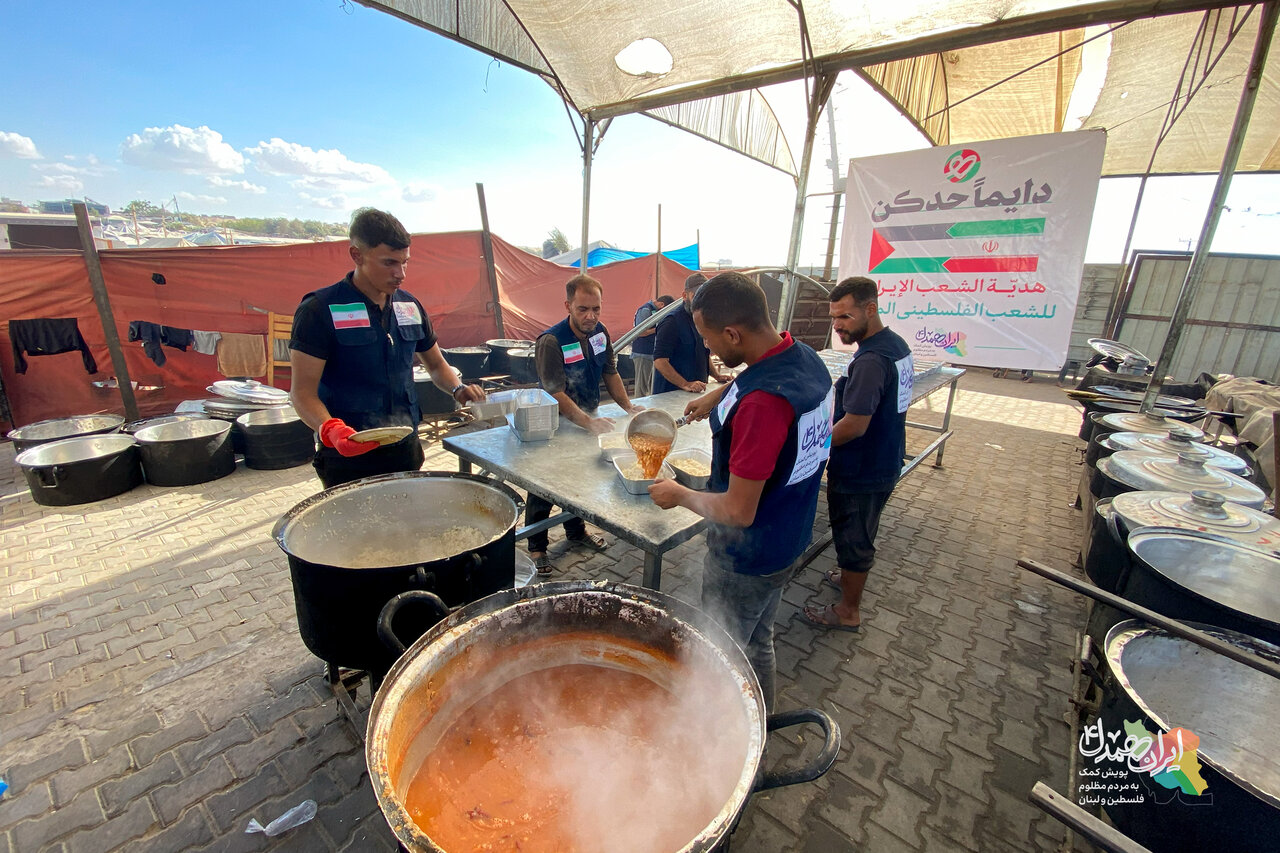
{"x":961,"y":166}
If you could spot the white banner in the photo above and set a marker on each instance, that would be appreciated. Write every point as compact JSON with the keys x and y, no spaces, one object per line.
{"x":977,"y":248}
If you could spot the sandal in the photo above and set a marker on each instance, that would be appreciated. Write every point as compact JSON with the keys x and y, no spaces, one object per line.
{"x":826,"y":618}
{"x":542,"y":565}
{"x":833,"y":577}
{"x":594,"y":541}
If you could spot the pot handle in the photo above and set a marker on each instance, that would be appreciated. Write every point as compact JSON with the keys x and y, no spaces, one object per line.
{"x":431,"y":603}
{"x":820,"y":764}
{"x":49,"y":476}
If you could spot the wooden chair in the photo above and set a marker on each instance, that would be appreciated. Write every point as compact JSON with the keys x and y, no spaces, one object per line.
{"x":279,"y":327}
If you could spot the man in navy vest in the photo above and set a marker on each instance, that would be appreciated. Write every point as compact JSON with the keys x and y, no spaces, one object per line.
{"x":681,"y":361}
{"x":868,"y":441}
{"x":642,"y":346}
{"x":573,"y":356}
{"x":352,"y":351}
{"x":771,"y":435}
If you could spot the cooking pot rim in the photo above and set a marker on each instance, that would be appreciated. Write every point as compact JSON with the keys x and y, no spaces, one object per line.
{"x":280,"y":531}
{"x":1125,"y":632}
{"x":1141,"y":534}
{"x":26,"y":459}
{"x":112,"y":422}
{"x":205,"y":428}
{"x":379,"y":719}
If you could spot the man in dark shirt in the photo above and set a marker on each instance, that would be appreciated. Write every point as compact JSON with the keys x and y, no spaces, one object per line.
{"x":868,"y":443}
{"x":642,"y":346}
{"x":352,"y":351}
{"x":681,"y":360}
{"x":573,"y":356}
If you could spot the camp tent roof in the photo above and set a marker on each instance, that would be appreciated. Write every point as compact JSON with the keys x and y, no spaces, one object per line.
{"x":700,"y":64}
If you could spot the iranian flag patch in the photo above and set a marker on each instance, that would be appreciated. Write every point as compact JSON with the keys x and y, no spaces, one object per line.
{"x":353,"y":316}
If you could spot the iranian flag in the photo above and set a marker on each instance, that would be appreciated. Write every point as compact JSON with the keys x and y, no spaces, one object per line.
{"x":353,"y":316}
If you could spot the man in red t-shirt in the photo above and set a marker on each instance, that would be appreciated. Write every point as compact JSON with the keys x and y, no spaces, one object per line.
{"x":771,"y":431}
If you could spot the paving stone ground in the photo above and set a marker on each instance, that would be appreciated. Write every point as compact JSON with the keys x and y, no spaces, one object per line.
{"x":158,"y":695}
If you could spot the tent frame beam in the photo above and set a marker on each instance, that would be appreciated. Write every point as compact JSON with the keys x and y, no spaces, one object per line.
{"x":988,"y":33}
{"x":824,"y":84}
{"x":1195,"y":271}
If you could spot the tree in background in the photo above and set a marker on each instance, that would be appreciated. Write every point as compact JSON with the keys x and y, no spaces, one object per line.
{"x":555,"y":244}
{"x":140,"y":208}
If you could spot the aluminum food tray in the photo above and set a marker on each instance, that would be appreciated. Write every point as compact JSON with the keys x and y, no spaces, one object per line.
{"x":639,"y":487}
{"x":607,"y":453}
{"x":536,"y":415}
{"x":683,"y":477}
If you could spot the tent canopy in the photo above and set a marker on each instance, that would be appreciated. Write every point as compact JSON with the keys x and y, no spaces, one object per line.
{"x":699,"y":64}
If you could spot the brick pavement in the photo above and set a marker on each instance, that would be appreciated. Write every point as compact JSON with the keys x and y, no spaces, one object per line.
{"x":159,"y":695}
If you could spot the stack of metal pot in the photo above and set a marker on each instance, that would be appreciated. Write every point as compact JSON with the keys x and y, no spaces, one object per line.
{"x":68,"y":461}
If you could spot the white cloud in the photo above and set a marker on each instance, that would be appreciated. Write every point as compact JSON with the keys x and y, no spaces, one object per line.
{"x":415,"y":192}
{"x":278,"y":157}
{"x":63,"y":183}
{"x":203,"y":199}
{"x":192,"y":151}
{"x":333,"y":202}
{"x":226,"y":183}
{"x":17,"y":145}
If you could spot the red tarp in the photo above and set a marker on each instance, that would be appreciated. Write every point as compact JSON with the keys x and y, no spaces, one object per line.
{"x":231,"y":289}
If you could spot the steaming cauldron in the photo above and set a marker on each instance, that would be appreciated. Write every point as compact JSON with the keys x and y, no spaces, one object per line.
{"x":464,"y":663}
{"x":353,"y":547}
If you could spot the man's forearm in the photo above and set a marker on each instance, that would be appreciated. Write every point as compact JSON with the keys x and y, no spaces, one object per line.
{"x":663,"y":366}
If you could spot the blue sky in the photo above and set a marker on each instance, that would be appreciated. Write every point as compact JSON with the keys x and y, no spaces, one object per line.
{"x":310,"y":108}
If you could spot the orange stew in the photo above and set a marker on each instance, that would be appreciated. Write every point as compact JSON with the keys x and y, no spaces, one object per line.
{"x":576,"y":758}
{"x":650,"y":451}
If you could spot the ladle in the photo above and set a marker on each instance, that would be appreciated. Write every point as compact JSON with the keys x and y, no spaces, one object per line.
{"x":656,"y":424}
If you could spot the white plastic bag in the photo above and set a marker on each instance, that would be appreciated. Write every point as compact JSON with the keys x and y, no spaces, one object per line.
{"x":295,"y":816}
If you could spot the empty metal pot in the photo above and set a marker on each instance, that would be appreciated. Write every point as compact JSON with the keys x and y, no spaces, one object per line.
{"x":276,"y":438}
{"x":42,"y":432}
{"x":81,"y":470}
{"x":469,"y":361}
{"x":184,"y":453}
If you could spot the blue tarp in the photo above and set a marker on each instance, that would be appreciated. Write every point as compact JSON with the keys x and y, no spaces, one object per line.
{"x":686,"y":257}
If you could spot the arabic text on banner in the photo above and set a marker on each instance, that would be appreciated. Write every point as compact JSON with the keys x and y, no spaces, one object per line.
{"x":978,"y":247}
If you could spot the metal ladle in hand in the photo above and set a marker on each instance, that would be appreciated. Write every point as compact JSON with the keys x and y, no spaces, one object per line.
{"x":655,"y":424}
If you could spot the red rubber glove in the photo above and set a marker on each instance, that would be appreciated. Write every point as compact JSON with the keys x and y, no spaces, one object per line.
{"x":336,"y":434}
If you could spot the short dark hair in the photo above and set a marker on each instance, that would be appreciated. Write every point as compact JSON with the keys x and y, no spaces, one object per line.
{"x":664,"y":299}
{"x":579,"y":282}
{"x":732,"y":299}
{"x":695,"y":281}
{"x":371,"y":228}
{"x":861,"y":288}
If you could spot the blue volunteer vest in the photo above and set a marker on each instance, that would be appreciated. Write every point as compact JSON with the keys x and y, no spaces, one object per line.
{"x":872,"y":462}
{"x":368,"y":382}
{"x":583,"y":368}
{"x":783,"y":524}
{"x":644,"y":346}
{"x":691,"y":358}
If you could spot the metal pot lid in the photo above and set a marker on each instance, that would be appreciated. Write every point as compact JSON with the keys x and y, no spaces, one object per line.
{"x":1200,"y":510}
{"x":1119,"y":393}
{"x":65,"y":427}
{"x":1179,"y":441}
{"x":1219,"y":570}
{"x":227,"y":407}
{"x":1178,"y":683}
{"x":1192,"y":413}
{"x":1144,"y":422}
{"x":1114,"y":349}
{"x":510,"y":343}
{"x":68,"y":450}
{"x":269,"y":417}
{"x":1184,"y":473}
{"x":249,"y":391}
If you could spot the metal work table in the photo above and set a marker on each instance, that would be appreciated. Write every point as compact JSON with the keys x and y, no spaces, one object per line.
{"x":568,"y":471}
{"x":925,"y":386}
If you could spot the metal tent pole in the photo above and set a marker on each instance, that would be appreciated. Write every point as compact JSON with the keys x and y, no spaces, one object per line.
{"x":486,"y":245}
{"x":1195,"y":271}
{"x":791,"y":285}
{"x":1117,"y":292}
{"x":103,"y":302}
{"x":588,"y":139}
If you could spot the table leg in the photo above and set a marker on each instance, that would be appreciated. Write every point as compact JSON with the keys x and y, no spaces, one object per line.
{"x":652,"y":571}
{"x":946,"y":421}
{"x":464,"y":465}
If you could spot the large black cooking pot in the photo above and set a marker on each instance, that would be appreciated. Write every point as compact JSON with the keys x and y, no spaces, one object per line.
{"x":133,"y":426}
{"x":1135,"y":470}
{"x":42,"y":432}
{"x":81,"y":470}
{"x":524,"y":367}
{"x":275,"y":438}
{"x":184,"y":453}
{"x":498,"y":362}
{"x":489,"y":643}
{"x":469,"y":361}
{"x":353,"y":547}
{"x":1164,"y":683}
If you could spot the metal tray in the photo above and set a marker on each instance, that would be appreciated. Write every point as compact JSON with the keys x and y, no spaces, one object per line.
{"x":638,"y":487}
{"x":684,"y":477}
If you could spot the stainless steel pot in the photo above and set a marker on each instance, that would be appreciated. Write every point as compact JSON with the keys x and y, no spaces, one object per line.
{"x":42,"y":432}
{"x":1165,"y":682}
{"x":275,"y":438}
{"x":1177,"y":442}
{"x":504,"y":636}
{"x":81,"y":470}
{"x":133,"y":426}
{"x":1134,"y":470}
{"x":186,"y":452}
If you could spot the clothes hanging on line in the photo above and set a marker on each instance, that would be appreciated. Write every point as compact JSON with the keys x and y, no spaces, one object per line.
{"x":206,"y":342}
{"x":149,"y":334}
{"x":242,"y":355}
{"x":48,"y":337}
{"x":180,"y":339}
